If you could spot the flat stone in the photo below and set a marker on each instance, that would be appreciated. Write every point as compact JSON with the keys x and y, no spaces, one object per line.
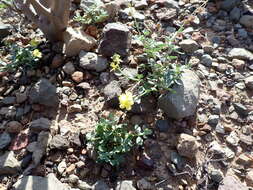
{"x":125,"y":185}
{"x":39,"y":183}
{"x":9,"y":100}
{"x":59,"y":142}
{"x":189,"y":46}
{"x":41,"y":124}
{"x":240,"y":53}
{"x":230,"y":182}
{"x":247,"y":21}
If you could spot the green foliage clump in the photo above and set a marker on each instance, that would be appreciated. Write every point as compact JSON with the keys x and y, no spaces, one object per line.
{"x":112,"y":140}
{"x":5,"y":4}
{"x":92,"y":15}
{"x":21,"y":57}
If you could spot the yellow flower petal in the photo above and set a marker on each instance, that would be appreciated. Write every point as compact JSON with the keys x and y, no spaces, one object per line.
{"x":37,"y":53}
{"x":126,"y":101}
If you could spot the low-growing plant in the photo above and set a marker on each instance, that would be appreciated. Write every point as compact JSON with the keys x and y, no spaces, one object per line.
{"x":112,"y":140}
{"x":5,"y":4}
{"x":157,"y":74}
{"x":92,"y":15}
{"x":21,"y":57}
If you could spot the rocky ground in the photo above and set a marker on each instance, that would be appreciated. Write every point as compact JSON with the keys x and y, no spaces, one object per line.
{"x":46,"y":112}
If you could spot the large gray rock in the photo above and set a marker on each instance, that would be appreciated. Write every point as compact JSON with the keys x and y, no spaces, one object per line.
{"x":229,"y":4}
{"x":9,"y":164}
{"x":39,"y":183}
{"x":230,"y":182}
{"x":240,"y":53}
{"x":92,"y":61}
{"x":116,"y":39}
{"x":4,"y":30}
{"x":44,"y":93}
{"x":247,"y":21}
{"x":183,"y":102}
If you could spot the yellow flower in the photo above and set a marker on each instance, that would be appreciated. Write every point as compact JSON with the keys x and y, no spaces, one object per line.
{"x":126,"y":101}
{"x":37,"y":53}
{"x":116,"y":60}
{"x":114,"y":66}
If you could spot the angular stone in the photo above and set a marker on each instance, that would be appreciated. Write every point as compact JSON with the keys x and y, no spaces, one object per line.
{"x":247,"y":21}
{"x":230,"y":182}
{"x":125,"y":185}
{"x":183,"y":102}
{"x":189,"y":46}
{"x":143,"y":184}
{"x":77,"y":76}
{"x":116,"y":39}
{"x":92,"y":61}
{"x":9,"y":164}
{"x":245,"y":160}
{"x":59,"y":142}
{"x":187,"y":146}
{"x":14,"y":127}
{"x":44,"y":93}
{"x":76,"y":40}
{"x":249,"y":82}
{"x":5,"y":30}
{"x":41,"y":124}
{"x":9,"y":100}
{"x":69,"y":68}
{"x":111,"y":92}
{"x":100,"y":185}
{"x":228,"y":5}
{"x":74,"y":108}
{"x":5,"y":140}
{"x":249,"y":178}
